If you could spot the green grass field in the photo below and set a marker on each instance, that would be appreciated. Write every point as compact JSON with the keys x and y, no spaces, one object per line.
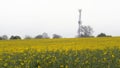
{"x":61,"y":53}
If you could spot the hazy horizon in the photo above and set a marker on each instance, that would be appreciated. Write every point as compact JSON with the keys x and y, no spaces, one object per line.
{"x":33,"y":17}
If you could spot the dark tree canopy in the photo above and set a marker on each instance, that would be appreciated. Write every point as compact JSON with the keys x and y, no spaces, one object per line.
{"x":102,"y":35}
{"x":15,"y":37}
{"x":56,"y":36}
{"x":43,"y":36}
{"x":38,"y":37}
{"x":1,"y":38}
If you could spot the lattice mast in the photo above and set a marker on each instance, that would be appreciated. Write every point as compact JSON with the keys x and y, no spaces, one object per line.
{"x":79,"y":23}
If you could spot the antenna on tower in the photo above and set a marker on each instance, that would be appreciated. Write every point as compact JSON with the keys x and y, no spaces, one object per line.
{"x":79,"y":23}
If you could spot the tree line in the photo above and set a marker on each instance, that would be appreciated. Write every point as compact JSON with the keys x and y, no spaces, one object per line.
{"x":45,"y":36}
{"x":40,"y":36}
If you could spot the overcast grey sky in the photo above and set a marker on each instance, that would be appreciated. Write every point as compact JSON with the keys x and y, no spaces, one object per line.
{"x":33,"y":17}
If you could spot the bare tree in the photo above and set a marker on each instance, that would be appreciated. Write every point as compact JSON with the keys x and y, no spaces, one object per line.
{"x":86,"y":31}
{"x":27,"y":37}
{"x":4,"y":37}
{"x":45,"y":35}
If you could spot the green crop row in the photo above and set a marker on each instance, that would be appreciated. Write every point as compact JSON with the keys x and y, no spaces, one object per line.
{"x":107,"y":58}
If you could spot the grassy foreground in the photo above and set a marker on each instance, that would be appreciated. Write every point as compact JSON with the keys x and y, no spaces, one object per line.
{"x":61,"y":53}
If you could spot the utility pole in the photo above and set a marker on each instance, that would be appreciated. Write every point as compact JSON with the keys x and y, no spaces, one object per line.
{"x":79,"y":24}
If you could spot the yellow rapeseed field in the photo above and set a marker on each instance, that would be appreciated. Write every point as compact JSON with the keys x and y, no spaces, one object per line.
{"x":55,"y":44}
{"x":61,"y":53}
